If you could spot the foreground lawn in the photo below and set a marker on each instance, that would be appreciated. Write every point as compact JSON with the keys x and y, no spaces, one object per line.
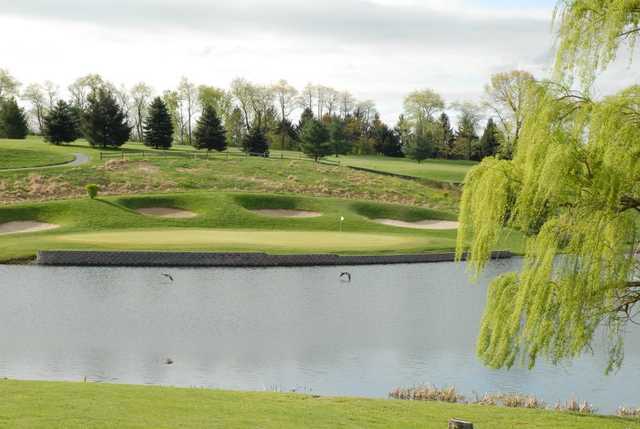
{"x":223,"y":222}
{"x":437,"y":170}
{"x":28,"y":404}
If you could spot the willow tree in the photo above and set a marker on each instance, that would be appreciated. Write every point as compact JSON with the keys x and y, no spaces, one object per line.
{"x":573,"y":188}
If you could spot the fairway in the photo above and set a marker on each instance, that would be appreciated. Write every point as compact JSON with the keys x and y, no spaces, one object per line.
{"x":252,"y":240}
{"x":12,"y":156}
{"x":438,"y":170}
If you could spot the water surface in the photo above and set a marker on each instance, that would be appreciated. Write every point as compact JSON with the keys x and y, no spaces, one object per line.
{"x":276,"y":329}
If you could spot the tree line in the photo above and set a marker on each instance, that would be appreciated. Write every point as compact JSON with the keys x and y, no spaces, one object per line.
{"x":259,"y":117}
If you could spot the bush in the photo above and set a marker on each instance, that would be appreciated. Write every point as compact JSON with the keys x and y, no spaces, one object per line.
{"x":92,"y":190}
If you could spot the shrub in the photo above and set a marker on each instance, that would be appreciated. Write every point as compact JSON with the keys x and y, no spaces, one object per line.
{"x":92,"y":190}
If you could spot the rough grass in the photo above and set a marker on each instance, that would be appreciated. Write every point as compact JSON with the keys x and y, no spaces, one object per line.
{"x":252,"y":174}
{"x":112,"y":222}
{"x":432,"y":169}
{"x":28,"y":404}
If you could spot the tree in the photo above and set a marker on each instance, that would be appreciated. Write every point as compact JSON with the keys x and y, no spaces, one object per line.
{"x":285,"y":95}
{"x":314,"y":139}
{"x":386,"y":141}
{"x":255,"y":142}
{"x":104,"y":123}
{"x":466,"y":136}
{"x":140,"y":96}
{"x":445,"y":137}
{"x":490,"y":140}
{"x":218,"y":98}
{"x":13,"y":123}
{"x":34,"y":94}
{"x":210,"y":134}
{"x":573,"y":188}
{"x":60,"y":124}
{"x":158,"y":127}
{"x":235,"y":127}
{"x":8,"y":85}
{"x":51,"y":90}
{"x":338,"y":137}
{"x":288,"y":134}
{"x":188,"y":102}
{"x":422,"y":105}
{"x":590,"y":33}
{"x":505,"y":97}
{"x":346,"y":103}
{"x":82,"y":87}
{"x":420,"y":146}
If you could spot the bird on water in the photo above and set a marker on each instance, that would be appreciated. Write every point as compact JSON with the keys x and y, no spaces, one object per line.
{"x":167,"y":275}
{"x":345,"y":277}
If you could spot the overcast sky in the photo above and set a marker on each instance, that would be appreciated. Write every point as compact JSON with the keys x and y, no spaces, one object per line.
{"x":377,"y":49}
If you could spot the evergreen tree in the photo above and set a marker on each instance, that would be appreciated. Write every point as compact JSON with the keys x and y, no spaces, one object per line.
{"x":288,"y":134}
{"x":386,"y":141}
{"x":13,"y":122}
{"x":60,"y":124}
{"x":445,"y":137}
{"x":307,"y":115}
{"x":158,"y":127}
{"x":338,"y":137}
{"x":466,"y":137}
{"x":255,"y":142}
{"x":489,"y":142}
{"x":421,"y":146}
{"x":315,"y":139}
{"x":210,"y":134}
{"x":104,"y":122}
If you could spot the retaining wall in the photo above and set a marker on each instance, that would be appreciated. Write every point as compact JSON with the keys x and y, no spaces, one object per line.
{"x":207,"y":259}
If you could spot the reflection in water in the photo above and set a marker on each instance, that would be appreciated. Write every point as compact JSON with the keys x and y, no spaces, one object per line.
{"x":284,"y":328}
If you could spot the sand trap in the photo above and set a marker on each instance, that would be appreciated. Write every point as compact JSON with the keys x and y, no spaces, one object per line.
{"x":22,"y":226}
{"x":167,"y":212}
{"x":423,"y":224}
{"x":286,"y":213}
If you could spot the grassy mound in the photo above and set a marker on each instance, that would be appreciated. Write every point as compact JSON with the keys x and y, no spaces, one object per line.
{"x":78,"y":405}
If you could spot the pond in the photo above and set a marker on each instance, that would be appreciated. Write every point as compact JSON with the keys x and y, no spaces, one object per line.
{"x":285,"y":329}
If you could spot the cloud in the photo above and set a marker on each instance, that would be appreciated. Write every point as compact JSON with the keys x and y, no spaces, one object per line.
{"x":378,"y":49}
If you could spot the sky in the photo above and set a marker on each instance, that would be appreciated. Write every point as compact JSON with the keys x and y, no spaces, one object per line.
{"x":377,"y":49}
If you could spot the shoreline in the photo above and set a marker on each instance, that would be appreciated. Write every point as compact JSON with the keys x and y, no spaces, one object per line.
{"x":82,"y":258}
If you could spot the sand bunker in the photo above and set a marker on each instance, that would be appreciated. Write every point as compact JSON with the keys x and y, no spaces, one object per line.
{"x":423,"y":224}
{"x":23,"y":226}
{"x":167,"y":212}
{"x":286,"y":213}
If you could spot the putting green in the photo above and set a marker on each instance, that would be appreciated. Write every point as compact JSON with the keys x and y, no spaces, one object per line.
{"x":234,"y":239}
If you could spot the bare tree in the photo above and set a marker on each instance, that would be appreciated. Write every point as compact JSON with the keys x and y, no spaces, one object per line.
{"x":34,"y":94}
{"x":346,"y":102}
{"x":140,"y":97}
{"x":188,"y":97}
{"x":241,"y":90}
{"x":261,"y":103}
{"x":83,"y":86}
{"x":307,"y":96}
{"x":331,"y":100}
{"x":285,"y":95}
{"x":51,"y":89}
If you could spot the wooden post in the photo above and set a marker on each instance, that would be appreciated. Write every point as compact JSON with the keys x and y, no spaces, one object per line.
{"x":459,"y":424}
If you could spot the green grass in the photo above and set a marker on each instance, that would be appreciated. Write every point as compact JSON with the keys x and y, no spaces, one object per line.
{"x":27,"y":404}
{"x":436,"y":170}
{"x":224,"y":222}
{"x":17,"y":154}
{"x":155,"y":174}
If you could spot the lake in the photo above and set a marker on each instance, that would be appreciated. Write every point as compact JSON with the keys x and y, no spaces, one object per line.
{"x":283,"y":329}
